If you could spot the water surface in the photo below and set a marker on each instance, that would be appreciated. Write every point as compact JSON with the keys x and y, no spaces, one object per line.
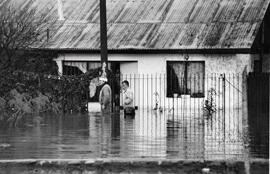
{"x":149,"y":134}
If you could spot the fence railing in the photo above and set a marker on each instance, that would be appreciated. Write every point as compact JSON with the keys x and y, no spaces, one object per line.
{"x":214,"y":105}
{"x":215,"y":91}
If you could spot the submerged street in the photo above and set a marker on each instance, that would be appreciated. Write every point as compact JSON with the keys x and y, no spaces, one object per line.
{"x":148,"y":135}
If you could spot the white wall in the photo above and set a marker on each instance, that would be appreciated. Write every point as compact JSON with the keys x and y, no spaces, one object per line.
{"x":156,"y":63}
{"x":129,"y":67}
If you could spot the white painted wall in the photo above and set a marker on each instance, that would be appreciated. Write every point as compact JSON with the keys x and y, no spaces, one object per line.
{"x":156,"y":63}
{"x":129,"y":67}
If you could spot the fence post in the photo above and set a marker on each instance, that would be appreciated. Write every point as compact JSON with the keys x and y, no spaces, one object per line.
{"x":224,"y":110}
{"x":244,"y":98}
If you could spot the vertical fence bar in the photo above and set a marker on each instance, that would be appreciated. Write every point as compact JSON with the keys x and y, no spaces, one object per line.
{"x":151,"y":93}
{"x":131,"y":84}
{"x":194,"y":105}
{"x":139,"y":94}
{"x":134,"y":90}
{"x":184,"y":101}
{"x":218,"y":103}
{"x":203,"y":107}
{"x":139,"y":108}
{"x":173,"y":108}
{"x":214,"y":104}
{"x":156,"y":94}
{"x":160,"y":89}
{"x":205,"y":93}
{"x":121,"y":96}
{"x":179,"y":104}
{"x":190,"y":114}
{"x":147,"y":92}
{"x":203,"y":123}
{"x":210,"y":82}
{"x":238,"y":107}
{"x":229,"y":104}
{"x":164,"y":96}
{"x":198,"y":104}
{"x":233,"y":107}
{"x":177,"y":99}
{"x":195,"y":93}
{"x":244,"y":98}
{"x":171,"y":88}
{"x":143,"y":92}
{"x":224,"y":112}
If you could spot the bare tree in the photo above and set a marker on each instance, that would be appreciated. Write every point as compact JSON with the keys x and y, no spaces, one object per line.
{"x":21,"y":29}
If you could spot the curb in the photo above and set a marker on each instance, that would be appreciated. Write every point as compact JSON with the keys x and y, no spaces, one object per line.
{"x":255,"y":166}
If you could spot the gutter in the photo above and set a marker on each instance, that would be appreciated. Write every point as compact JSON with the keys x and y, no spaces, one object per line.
{"x":154,"y":51}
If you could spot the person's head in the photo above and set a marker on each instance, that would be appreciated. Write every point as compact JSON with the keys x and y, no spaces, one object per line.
{"x":125,"y":85}
{"x":102,"y":81}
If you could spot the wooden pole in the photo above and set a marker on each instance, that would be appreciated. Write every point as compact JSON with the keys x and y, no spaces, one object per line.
{"x":103,"y":33}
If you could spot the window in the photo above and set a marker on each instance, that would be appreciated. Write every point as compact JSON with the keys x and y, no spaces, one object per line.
{"x":185,"y":77}
{"x":74,"y":68}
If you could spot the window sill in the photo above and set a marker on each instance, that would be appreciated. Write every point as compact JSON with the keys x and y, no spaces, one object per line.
{"x":185,"y":96}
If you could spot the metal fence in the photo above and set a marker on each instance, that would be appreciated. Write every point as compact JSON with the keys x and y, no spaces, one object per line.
{"x":213,"y":106}
{"x":217,"y":92}
{"x":203,"y":114}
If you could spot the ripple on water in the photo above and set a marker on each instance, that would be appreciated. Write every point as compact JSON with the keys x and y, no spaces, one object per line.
{"x":147,"y":135}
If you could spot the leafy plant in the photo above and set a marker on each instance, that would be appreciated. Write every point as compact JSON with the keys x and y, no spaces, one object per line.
{"x":23,"y":93}
{"x":209,"y":103}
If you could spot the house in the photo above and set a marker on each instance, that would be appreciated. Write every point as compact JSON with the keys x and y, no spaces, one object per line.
{"x":163,"y":37}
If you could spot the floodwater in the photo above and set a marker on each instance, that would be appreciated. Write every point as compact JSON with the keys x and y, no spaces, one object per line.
{"x":149,"y":134}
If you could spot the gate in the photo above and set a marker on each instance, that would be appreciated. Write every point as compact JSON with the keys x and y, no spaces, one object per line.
{"x":258,"y":110}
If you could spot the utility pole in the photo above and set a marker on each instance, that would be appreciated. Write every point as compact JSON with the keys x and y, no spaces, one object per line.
{"x":103,"y":35}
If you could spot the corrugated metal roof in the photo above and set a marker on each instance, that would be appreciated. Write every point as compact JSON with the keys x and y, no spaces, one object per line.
{"x":158,"y":24}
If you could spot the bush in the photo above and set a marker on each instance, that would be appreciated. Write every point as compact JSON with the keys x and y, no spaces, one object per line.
{"x":25,"y":93}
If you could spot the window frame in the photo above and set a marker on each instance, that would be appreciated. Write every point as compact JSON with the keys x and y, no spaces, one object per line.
{"x":193,"y":95}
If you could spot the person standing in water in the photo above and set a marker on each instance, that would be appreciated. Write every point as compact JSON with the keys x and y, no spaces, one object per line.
{"x":128,"y":99}
{"x":105,"y":95}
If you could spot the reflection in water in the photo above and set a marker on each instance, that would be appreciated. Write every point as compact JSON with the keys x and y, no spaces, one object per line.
{"x":115,"y":125}
{"x":150,"y":134}
{"x":259,"y":134}
{"x":181,"y":135}
{"x":183,"y":139}
{"x":224,"y":137}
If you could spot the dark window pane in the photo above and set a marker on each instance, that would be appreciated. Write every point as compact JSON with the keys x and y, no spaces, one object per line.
{"x":192,"y":83}
{"x":71,"y":70}
{"x":196,"y":78}
{"x":174,"y":79}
